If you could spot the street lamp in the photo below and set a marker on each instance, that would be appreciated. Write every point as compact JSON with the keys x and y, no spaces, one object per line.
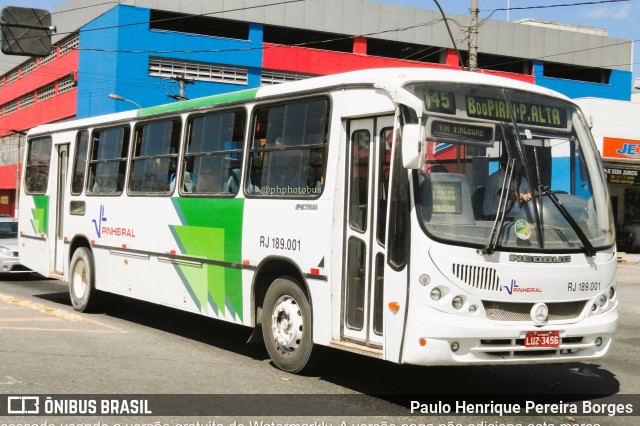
{"x":120,"y":98}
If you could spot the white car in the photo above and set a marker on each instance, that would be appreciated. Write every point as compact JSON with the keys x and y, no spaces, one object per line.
{"x":9,"y":262}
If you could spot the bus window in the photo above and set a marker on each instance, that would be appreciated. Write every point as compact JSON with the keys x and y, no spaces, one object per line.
{"x":155,"y":157}
{"x":108,"y":160}
{"x":80,"y":162}
{"x":37,"y":167}
{"x":288,"y":150}
{"x":214,"y":152}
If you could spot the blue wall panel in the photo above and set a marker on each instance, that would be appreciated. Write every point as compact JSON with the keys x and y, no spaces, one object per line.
{"x":114,"y":58}
{"x":619,"y":86}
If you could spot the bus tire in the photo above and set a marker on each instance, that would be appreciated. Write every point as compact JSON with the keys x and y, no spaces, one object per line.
{"x":84,"y":296}
{"x":287,"y":326}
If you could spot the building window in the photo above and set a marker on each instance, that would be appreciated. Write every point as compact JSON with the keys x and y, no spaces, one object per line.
{"x":305,"y":38}
{"x":269,"y":77}
{"x":201,"y":71}
{"x":12,"y":76}
{"x":50,"y":57}
{"x":69,"y":45}
{"x":10,"y":107}
{"x":577,"y":73}
{"x":27,"y":100}
{"x":28,"y":67}
{"x":202,"y":25}
{"x":46,"y":92}
{"x":407,"y":51}
{"x":66,"y":84}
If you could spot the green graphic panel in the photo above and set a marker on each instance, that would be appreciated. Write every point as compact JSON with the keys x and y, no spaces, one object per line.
{"x":206,"y":243}
{"x":40,"y":221}
{"x":212,"y":229}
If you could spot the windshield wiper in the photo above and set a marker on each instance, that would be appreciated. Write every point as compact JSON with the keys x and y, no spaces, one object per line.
{"x":496,"y":230}
{"x":588,"y":247}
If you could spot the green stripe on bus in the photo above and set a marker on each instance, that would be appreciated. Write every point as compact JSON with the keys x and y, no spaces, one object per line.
{"x":40,"y":221}
{"x":224,"y":98}
{"x":212,"y":229}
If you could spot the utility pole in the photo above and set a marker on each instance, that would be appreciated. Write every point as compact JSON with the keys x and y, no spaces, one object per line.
{"x":473,"y":37}
{"x":182,"y":80}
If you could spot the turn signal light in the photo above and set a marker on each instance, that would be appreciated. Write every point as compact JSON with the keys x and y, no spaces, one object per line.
{"x":394,"y":306}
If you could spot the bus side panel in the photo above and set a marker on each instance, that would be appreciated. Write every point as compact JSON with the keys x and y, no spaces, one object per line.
{"x":297,"y":231}
{"x":179,"y":252}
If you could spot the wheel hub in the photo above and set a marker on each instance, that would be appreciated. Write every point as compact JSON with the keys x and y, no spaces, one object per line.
{"x":286,"y":324}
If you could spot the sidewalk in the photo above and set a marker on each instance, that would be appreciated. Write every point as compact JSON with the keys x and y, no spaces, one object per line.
{"x":628,"y":268}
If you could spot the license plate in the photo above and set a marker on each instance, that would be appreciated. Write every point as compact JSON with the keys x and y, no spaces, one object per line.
{"x":542,"y":339}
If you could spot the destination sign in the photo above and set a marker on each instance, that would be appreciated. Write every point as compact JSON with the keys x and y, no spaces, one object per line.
{"x":622,"y":176}
{"x":524,"y":113}
{"x":440,"y":101}
{"x":447,"y":198}
{"x":462,"y":132}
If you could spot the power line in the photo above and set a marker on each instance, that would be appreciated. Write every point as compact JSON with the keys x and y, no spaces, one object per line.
{"x":558,"y":5}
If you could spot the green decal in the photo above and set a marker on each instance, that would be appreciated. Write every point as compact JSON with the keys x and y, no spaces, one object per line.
{"x":241,"y":95}
{"x":212,"y":230}
{"x":40,"y":221}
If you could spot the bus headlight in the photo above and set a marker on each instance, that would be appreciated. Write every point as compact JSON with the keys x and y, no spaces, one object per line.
{"x":602,"y":300}
{"x":435,"y":294}
{"x":612,"y":292}
{"x":6,"y":252}
{"x":457,"y":302}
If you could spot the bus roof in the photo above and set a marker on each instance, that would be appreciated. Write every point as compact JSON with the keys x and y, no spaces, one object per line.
{"x":390,"y":78}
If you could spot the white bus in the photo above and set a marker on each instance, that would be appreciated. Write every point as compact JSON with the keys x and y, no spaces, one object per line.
{"x":345,"y":211}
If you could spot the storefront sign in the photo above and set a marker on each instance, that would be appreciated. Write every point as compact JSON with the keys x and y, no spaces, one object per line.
{"x":622,"y":176}
{"x":620,"y":148}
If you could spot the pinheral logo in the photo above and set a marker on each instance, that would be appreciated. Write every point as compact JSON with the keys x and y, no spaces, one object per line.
{"x":515,"y":288}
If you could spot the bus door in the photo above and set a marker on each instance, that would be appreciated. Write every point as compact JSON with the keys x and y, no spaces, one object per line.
{"x":59,"y":201}
{"x":363,"y":278}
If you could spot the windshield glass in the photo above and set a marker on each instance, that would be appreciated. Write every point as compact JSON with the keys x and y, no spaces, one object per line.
{"x":495,"y":157}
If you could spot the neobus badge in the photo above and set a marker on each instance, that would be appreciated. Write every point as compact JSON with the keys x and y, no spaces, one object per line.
{"x":539,"y":259}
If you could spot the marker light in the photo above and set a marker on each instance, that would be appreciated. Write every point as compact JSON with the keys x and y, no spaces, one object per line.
{"x":422,"y":341}
{"x":436,"y":294}
{"x":473,"y":309}
{"x":424,"y":279}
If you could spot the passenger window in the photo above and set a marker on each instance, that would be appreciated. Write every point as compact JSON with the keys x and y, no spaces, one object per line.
{"x":37,"y":167}
{"x":213,"y":160}
{"x":108,"y":160}
{"x":155,"y":158}
{"x":289,"y":149}
{"x":79,"y":162}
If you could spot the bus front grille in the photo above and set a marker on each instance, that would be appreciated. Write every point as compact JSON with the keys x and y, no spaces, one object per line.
{"x":507,"y":311}
{"x":479,"y":277}
{"x":514,"y":348}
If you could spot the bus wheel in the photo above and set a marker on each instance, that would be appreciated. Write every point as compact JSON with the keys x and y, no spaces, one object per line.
{"x":286,"y":326}
{"x":84,"y":296}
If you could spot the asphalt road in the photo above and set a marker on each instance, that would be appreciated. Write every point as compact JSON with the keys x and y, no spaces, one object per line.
{"x":205,"y":372}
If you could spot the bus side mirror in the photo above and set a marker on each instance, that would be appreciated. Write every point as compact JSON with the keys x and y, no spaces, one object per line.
{"x":412,"y":146}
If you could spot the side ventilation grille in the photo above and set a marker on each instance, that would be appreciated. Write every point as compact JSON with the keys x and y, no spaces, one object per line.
{"x":477,"y":276}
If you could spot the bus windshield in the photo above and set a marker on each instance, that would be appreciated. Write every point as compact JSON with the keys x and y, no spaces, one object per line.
{"x":510,"y":170}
